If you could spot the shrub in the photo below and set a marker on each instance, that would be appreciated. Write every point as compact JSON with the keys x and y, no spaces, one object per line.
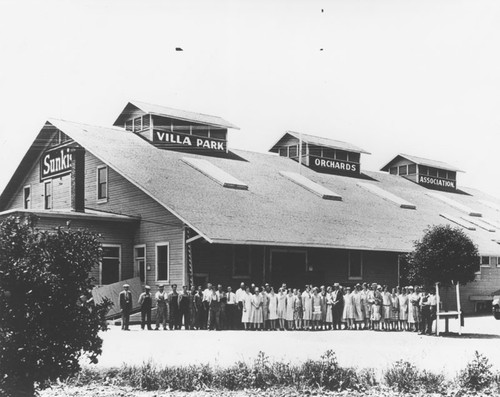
{"x":477,"y":375}
{"x":403,"y":376}
{"x":44,"y":331}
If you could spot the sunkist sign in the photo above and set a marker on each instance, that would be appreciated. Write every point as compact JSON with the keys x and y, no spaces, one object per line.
{"x":55,"y":162}
{"x":188,"y":140}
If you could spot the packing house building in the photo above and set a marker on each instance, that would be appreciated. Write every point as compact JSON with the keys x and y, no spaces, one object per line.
{"x":175,"y":205}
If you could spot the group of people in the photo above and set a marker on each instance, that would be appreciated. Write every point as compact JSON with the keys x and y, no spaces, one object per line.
{"x":363,"y":306}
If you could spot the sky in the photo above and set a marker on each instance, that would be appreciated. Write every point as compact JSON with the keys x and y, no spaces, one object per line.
{"x":390,"y":76}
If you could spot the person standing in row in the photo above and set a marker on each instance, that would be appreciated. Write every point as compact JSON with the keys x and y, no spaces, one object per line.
{"x":273,"y":309}
{"x":281,"y":308}
{"x":290,"y":307}
{"x":357,"y":302}
{"x":173,"y":305}
{"x":232,"y":310}
{"x":297,"y":312}
{"x":338,"y":306}
{"x":184,"y":298}
{"x":221,"y":314}
{"x":161,"y":308}
{"x":403,"y":310}
{"x":213,"y":311}
{"x":125,"y":306}
{"x":207,"y":297}
{"x":256,"y":314}
{"x":240,"y":295}
{"x":307,"y":307}
{"x":146,"y":302}
{"x":386,"y":308}
{"x":246,"y":300}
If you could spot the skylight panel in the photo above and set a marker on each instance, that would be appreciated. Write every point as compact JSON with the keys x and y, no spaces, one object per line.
{"x":490,"y":204}
{"x":480,"y":223}
{"x":496,"y":225}
{"x":458,"y":221}
{"x":469,"y":211}
{"x":215,"y":173}
{"x":313,"y":187}
{"x":387,"y":195}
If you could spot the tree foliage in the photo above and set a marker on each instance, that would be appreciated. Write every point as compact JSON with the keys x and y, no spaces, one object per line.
{"x":445,"y":255}
{"x":43,"y":331}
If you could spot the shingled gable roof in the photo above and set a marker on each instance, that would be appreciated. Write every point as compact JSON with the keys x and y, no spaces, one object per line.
{"x":274,"y":211}
{"x":319,"y":141}
{"x":173,"y":113}
{"x":421,"y":161}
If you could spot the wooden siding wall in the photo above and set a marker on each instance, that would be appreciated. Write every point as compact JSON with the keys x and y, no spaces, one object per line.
{"x":61,"y":191}
{"x":330,"y":265}
{"x":488,"y":282}
{"x":111,"y":232}
{"x":157,"y":224}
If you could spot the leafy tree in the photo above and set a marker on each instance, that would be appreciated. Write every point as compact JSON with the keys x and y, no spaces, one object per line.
{"x":445,"y":255}
{"x":44,"y":325}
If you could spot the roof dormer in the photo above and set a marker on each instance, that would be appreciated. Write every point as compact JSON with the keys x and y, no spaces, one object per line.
{"x":321,"y":154}
{"x":175,"y":129}
{"x":431,"y":174}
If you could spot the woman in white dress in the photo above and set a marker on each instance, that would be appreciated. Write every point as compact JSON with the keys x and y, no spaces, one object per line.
{"x":357,"y":303}
{"x":386,"y":308}
{"x":290,"y":307}
{"x":273,"y":309}
{"x":256,"y":317}
{"x":316,"y":305}
{"x":411,"y":319}
{"x":307,"y":307}
{"x":348,"y":314}
{"x":247,"y":308}
{"x":329,"y":308}
{"x":403,"y":310}
{"x":281,"y":308}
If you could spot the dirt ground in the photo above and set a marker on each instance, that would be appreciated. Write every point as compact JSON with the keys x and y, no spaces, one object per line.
{"x":369,"y":349}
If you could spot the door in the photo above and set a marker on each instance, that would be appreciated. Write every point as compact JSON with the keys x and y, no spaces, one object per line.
{"x":288,"y":267}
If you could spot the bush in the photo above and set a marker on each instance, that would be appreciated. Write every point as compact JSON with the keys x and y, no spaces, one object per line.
{"x":402,"y":376}
{"x":477,"y":375}
{"x":44,"y":331}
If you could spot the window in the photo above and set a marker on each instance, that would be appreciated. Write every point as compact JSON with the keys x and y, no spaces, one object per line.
{"x":137,"y":124}
{"x":355,"y":265}
{"x":315,"y":151}
{"x":129,"y":125}
{"x":393,"y":170}
{"x":423,"y":170}
{"x":412,"y":169}
{"x":328,"y":153}
{"x":293,"y":151}
{"x":27,"y":197}
{"x":146,"y":122}
{"x":403,"y":170}
{"x":451,"y":175}
{"x":354,"y":157}
{"x":242,"y":261}
{"x":162,"y":262}
{"x":102,"y":183}
{"x":493,"y":261}
{"x":340,"y":155}
{"x":442,"y":174}
{"x":283,"y":151}
{"x":48,"y":195}
{"x":433,"y":172}
{"x":110,"y":271}
{"x":140,"y":262}
{"x":485,"y":261}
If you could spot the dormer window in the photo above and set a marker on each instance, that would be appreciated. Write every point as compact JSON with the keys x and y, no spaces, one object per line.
{"x":429,"y":173}
{"x":321,"y":154}
{"x":175,"y":129}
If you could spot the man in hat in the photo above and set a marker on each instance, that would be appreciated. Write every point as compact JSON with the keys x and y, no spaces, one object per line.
{"x":161,"y":307}
{"x":146,"y":302}
{"x":125,"y":306}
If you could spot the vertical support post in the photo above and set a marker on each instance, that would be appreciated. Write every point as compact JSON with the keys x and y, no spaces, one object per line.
{"x":189,"y":258}
{"x":459,"y":309}
{"x":300,"y":152}
{"x":438,"y":304}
